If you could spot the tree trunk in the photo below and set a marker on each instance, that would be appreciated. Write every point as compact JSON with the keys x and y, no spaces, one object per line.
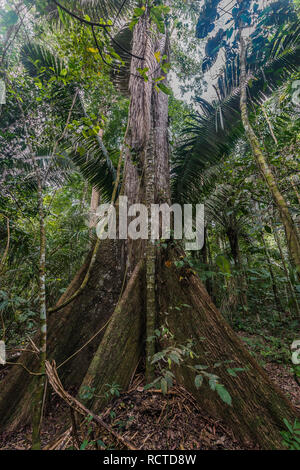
{"x":233,"y":237}
{"x":287,"y":275}
{"x":274,"y":285}
{"x":118,"y":354}
{"x":292,"y":236}
{"x":258,"y":406}
{"x":68,"y":330}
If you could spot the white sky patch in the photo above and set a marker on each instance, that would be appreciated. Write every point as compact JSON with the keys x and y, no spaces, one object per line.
{"x":2,"y":353}
{"x":211,"y":76}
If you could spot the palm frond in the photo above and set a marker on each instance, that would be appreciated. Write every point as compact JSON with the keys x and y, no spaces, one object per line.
{"x":21,"y":169}
{"x":227,"y":207}
{"x":92,"y":157}
{"x":113,"y":11}
{"x":120,"y":76}
{"x":214,"y":132}
{"x":106,"y":9}
{"x":94,"y":164}
{"x":35,"y":57}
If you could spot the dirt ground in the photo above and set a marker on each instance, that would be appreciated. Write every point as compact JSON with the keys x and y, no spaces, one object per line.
{"x":146,"y":419}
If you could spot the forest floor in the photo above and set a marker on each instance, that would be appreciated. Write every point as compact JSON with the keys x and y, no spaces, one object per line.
{"x":148,"y":419}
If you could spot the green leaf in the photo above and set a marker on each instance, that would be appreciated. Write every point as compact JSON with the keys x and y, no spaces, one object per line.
{"x":212,"y":383}
{"x":139,"y":11}
{"x":223,"y":263}
{"x":288,"y":425}
{"x":234,"y":371}
{"x":198,"y":381}
{"x":223,"y":394}
{"x":164,"y":386}
{"x":157,"y":357}
{"x":174,"y":357}
{"x":84,"y":444}
{"x":164,"y":88}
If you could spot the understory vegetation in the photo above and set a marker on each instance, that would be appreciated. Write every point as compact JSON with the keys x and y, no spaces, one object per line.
{"x":182,"y":102}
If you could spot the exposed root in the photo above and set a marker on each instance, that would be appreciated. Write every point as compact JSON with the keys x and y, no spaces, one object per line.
{"x":121,"y":347}
{"x":69,"y":330}
{"x":258,"y":406}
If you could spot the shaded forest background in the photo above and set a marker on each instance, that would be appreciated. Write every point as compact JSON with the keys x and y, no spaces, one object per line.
{"x":67,"y":104}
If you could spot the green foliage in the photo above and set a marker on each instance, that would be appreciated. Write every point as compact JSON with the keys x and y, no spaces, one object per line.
{"x":270,"y":348}
{"x":87,"y":392}
{"x":113,"y":390}
{"x":181,"y":355}
{"x":223,"y":263}
{"x":214,"y":132}
{"x":212,"y":164}
{"x":291,"y":437}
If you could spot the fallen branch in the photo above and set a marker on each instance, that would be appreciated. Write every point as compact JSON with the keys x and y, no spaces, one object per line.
{"x":60,"y":442}
{"x":76,"y":405}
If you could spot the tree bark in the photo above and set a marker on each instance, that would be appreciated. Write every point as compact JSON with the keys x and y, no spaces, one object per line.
{"x":118,"y":354}
{"x":68,"y":331}
{"x":258,"y":406}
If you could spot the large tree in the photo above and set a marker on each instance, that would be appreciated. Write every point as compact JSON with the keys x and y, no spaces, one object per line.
{"x":112,"y":307}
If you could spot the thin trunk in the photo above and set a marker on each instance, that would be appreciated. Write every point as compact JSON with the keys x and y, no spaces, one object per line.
{"x":293,"y":241}
{"x":289,"y":283}
{"x":274,"y":286}
{"x":212,"y":283}
{"x":38,"y":399}
{"x":206,"y":261}
{"x":295,"y":189}
{"x":5,"y":254}
{"x":243,"y":280}
{"x":95,"y":198}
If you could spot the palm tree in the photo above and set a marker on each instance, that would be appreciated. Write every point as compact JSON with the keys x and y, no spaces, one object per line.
{"x":226,"y":118}
{"x":113,"y":321}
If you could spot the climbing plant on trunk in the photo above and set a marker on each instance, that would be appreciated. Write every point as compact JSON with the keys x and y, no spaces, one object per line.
{"x":153,"y":287}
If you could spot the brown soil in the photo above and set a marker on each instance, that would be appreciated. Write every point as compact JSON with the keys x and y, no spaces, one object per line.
{"x":148,"y":420}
